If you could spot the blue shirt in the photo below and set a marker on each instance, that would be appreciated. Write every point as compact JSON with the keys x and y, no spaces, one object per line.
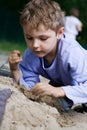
{"x":69,"y":69}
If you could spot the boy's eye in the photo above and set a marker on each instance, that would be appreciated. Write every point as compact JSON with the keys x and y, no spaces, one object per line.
{"x":43,"y":38}
{"x":29,"y":38}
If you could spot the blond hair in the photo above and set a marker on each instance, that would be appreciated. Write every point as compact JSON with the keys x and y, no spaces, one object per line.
{"x":46,"y":12}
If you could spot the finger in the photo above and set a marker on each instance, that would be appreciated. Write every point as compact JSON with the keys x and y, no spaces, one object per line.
{"x":41,"y":94}
{"x":14,"y":59}
{"x":34,"y":90}
{"x":16,"y":52}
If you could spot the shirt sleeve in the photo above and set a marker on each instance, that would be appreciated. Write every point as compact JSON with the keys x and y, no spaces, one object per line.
{"x":77,"y":64}
{"x":77,"y":94}
{"x":78,"y":21}
{"x":29,"y":71}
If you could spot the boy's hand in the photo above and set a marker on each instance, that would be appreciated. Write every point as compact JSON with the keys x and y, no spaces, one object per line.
{"x":43,"y":89}
{"x":14,"y":59}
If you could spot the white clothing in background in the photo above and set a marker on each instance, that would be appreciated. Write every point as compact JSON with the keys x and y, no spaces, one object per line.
{"x":71,"y":23}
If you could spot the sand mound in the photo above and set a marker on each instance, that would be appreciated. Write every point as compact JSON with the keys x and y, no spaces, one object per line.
{"x":24,"y":112}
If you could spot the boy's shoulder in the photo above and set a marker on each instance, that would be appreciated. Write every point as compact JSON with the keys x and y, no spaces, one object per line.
{"x":67,"y":41}
{"x":66,"y":44}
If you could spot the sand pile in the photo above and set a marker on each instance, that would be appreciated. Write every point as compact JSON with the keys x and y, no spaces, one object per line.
{"x":23,"y":112}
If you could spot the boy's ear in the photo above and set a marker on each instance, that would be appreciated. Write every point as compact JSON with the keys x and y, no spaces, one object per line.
{"x":60,"y":32}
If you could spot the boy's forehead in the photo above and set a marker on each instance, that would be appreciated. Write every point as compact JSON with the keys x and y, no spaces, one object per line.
{"x":40,"y":30}
{"x":40,"y":27}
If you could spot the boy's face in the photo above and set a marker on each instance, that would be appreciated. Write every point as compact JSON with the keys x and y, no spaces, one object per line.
{"x":41,"y":41}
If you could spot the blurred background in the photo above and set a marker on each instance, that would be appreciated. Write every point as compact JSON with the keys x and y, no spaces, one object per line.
{"x":11,"y":35}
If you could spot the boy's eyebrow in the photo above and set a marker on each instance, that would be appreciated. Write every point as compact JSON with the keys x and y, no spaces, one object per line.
{"x":44,"y":36}
{"x":38,"y":36}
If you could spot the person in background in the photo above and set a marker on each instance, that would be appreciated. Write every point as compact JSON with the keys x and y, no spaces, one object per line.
{"x":73,"y":26}
{"x":51,"y":54}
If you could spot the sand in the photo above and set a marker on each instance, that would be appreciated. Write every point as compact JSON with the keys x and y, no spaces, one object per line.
{"x":24,"y":112}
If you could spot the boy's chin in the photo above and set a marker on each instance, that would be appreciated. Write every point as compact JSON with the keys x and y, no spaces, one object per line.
{"x":40,"y":55}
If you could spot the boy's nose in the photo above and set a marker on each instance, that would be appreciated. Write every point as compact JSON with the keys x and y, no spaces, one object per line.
{"x":36,"y":43}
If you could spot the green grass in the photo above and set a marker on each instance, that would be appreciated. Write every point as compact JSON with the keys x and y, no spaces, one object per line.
{"x":6,"y":46}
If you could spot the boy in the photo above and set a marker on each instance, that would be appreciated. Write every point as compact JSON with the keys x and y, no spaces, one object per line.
{"x":50,"y":54}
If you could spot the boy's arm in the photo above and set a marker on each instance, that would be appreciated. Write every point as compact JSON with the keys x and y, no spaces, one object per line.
{"x":14,"y":59}
{"x":16,"y":75}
